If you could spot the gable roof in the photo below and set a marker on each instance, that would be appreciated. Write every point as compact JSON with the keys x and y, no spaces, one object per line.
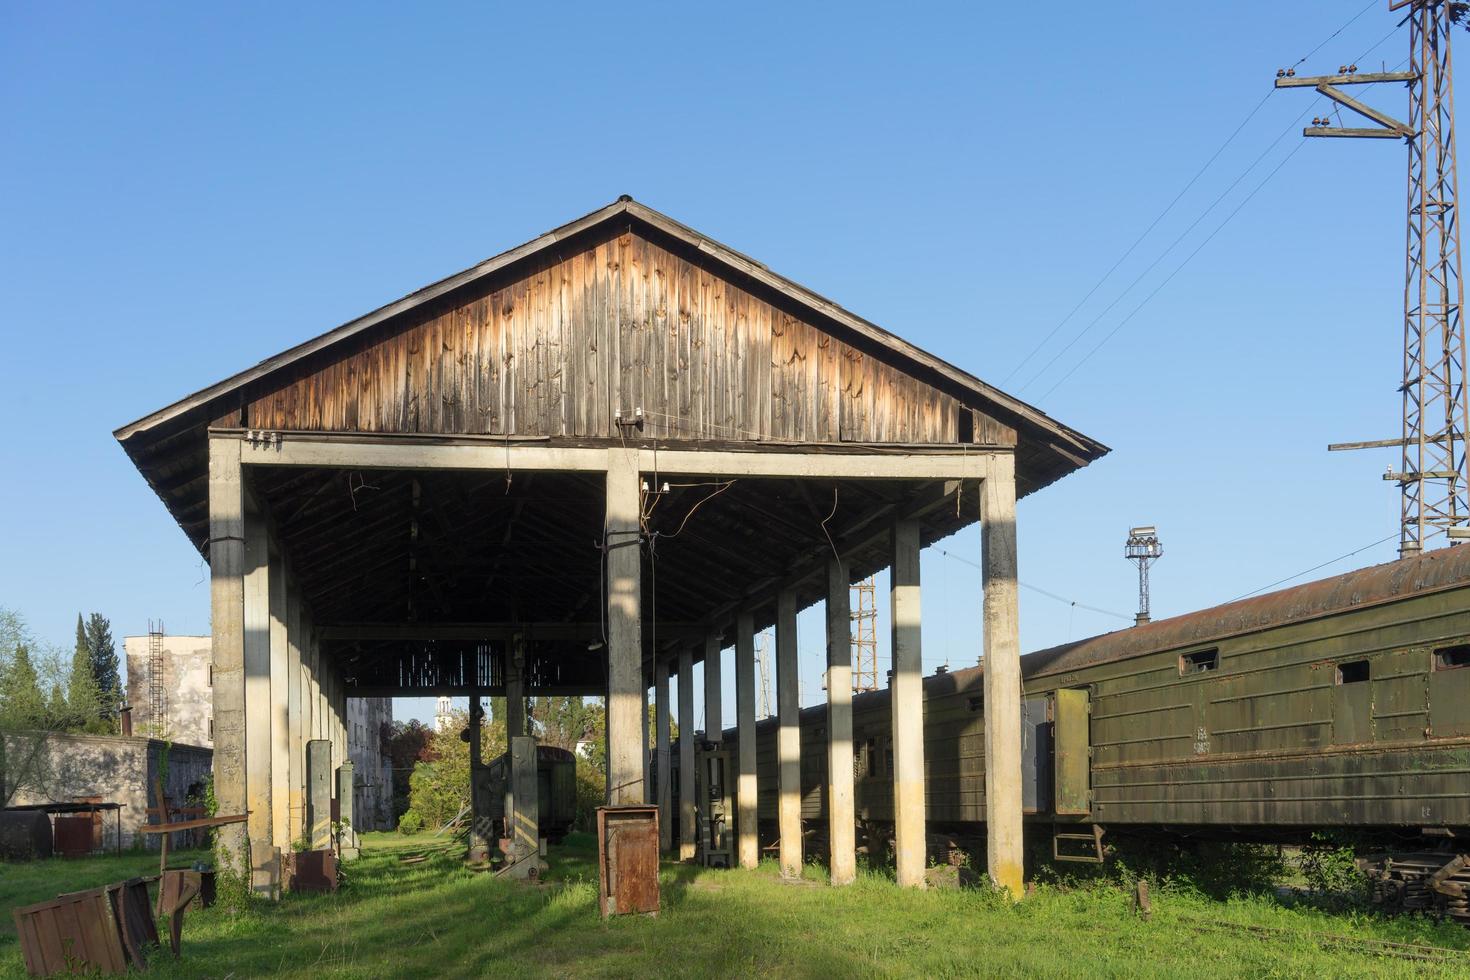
{"x":1004,"y":405}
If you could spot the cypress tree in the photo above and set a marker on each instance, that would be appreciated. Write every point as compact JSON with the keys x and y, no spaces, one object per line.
{"x":103,"y":651}
{"x":81,"y":687}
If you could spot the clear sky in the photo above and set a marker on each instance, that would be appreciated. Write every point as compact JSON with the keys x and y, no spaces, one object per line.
{"x":187,"y":190}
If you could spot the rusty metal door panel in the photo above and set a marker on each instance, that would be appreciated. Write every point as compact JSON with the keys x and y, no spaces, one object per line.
{"x":1449,"y":701}
{"x":1073,"y":753}
{"x":73,"y":835}
{"x":1400,"y":695}
{"x":627,"y":852}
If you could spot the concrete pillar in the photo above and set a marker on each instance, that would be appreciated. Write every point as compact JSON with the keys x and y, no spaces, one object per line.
{"x":227,"y":641}
{"x":1004,"y":846}
{"x":748,"y":836}
{"x":688,"y":831}
{"x":788,"y":737}
{"x":319,"y":793}
{"x":479,"y":849}
{"x":907,"y":701}
{"x":280,"y":707}
{"x":714,"y":723}
{"x":515,"y":688}
{"x":841,"y":818}
{"x":346,"y":814}
{"x":622,"y":552}
{"x":665,"y":776}
{"x":296,"y":735}
{"x":265,"y":866}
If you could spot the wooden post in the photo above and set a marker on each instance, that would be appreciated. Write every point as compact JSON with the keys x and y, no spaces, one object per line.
{"x":748,"y":833}
{"x":1004,"y":846}
{"x":788,"y":740}
{"x":664,"y":777}
{"x":227,"y":643}
{"x":258,"y":747}
{"x":714,"y":722}
{"x":622,"y":552}
{"x":280,"y":707}
{"x":841,"y":818}
{"x":688,"y":832}
{"x":906,"y":698}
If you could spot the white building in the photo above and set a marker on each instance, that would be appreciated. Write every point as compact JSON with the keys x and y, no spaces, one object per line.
{"x":171,"y":691}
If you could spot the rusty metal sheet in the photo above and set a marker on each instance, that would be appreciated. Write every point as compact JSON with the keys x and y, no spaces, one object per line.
{"x":1073,"y":753}
{"x":73,"y":836}
{"x":627,"y":853}
{"x":69,"y":932}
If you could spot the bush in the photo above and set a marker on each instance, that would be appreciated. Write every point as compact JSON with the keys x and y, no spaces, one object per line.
{"x":1331,"y":872}
{"x":410,"y":823}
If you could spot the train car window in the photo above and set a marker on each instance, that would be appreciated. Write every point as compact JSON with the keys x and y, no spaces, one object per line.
{"x":977,"y":703}
{"x":1449,"y":658}
{"x":1352,"y":672}
{"x":1199,"y":662}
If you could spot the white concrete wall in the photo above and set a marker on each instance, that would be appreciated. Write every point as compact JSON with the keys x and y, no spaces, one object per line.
{"x":116,"y":768}
{"x":373,"y":791}
{"x":190,"y":699}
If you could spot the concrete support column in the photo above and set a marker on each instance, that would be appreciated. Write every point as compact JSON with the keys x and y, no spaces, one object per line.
{"x":280,"y":707}
{"x":688,"y":832}
{"x":1004,"y":846}
{"x":296,"y":723}
{"x":479,"y":849}
{"x":265,"y":867}
{"x":907,"y":701}
{"x":319,"y":793}
{"x":622,"y":552}
{"x":841,"y":818}
{"x":714,"y":707}
{"x":227,"y":641}
{"x":664,"y":762}
{"x":515,"y":688}
{"x":748,"y":836}
{"x":788,"y":737}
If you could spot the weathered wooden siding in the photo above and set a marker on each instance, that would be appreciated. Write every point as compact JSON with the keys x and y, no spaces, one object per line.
{"x":618,"y":324}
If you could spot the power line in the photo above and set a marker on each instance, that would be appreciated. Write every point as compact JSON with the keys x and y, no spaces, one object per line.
{"x":1177,"y":269}
{"x":1139,"y":240}
{"x":1164,"y":254}
{"x":1177,"y":197}
{"x":1033,"y":588}
{"x":1314,"y":568}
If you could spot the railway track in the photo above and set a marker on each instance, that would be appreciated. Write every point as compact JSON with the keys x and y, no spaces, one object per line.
{"x":1371,"y":947}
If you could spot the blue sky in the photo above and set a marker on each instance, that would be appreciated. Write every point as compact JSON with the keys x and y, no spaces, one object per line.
{"x":189,"y":189}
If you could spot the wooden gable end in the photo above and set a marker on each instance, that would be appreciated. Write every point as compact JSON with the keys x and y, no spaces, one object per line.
{"x":618,"y":322}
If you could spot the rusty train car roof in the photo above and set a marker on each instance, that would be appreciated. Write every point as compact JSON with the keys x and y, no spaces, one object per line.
{"x":1434,"y":571}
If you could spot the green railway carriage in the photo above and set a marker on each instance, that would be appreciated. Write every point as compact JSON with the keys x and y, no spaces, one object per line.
{"x":1342,"y":703}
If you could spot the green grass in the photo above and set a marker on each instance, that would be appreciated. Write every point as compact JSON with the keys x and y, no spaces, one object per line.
{"x":438,"y":919}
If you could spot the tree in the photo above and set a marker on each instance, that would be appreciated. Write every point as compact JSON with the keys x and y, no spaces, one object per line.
{"x":82,"y":695}
{"x":405,"y":743}
{"x":440,"y":784}
{"x":103,"y":651}
{"x":27,"y":670}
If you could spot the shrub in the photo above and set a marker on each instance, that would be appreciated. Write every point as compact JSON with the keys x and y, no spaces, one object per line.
{"x":410,"y":823}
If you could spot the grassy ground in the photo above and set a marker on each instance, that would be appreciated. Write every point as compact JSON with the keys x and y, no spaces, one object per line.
{"x":437,"y":919}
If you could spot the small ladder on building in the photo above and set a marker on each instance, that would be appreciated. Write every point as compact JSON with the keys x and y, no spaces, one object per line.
{"x":1091,"y":851}
{"x":157,"y":685}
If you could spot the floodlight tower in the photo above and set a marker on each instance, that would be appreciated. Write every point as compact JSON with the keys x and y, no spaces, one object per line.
{"x":1145,"y":548}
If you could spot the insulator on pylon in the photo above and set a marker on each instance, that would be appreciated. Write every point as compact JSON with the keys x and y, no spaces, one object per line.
{"x":1291,"y":73}
{"x":1342,"y":69}
{"x":1352,"y":69}
{"x":1281,"y":73}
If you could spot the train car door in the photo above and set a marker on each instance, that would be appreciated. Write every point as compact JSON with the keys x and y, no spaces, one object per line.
{"x":1071,"y":731}
{"x":1036,"y":740}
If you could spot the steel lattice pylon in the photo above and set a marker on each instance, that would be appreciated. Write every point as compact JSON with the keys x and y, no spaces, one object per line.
{"x":1433,"y":477}
{"x":864,"y":617}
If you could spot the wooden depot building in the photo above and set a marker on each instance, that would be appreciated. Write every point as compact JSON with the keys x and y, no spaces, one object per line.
{"x":575,"y":468}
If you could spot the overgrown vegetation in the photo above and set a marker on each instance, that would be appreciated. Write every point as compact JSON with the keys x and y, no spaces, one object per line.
{"x":435,"y":918}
